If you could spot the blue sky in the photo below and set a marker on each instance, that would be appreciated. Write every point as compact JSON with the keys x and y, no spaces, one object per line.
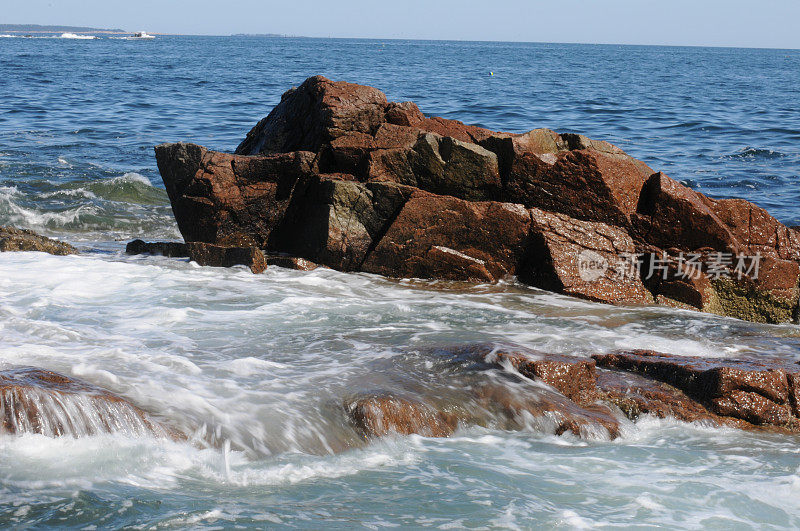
{"x":754,"y":23}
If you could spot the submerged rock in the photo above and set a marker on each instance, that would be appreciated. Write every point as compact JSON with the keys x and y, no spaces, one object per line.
{"x":12,"y":239}
{"x":43,"y":402}
{"x":585,"y":396}
{"x":338,"y":175}
{"x":381,"y":415}
{"x":760,"y":393}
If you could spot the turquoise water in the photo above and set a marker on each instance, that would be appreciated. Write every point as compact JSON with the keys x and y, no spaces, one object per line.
{"x":261,"y":364}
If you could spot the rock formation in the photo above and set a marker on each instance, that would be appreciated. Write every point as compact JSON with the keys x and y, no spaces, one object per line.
{"x":588,"y":396}
{"x":341,"y":177}
{"x":12,"y":239}
{"x":38,"y":401}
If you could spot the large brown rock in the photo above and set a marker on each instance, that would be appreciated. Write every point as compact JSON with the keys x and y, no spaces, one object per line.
{"x":13,"y":239}
{"x":229,"y":199}
{"x":444,"y":237}
{"x":381,"y":415}
{"x":343,"y":178}
{"x":590,"y":260}
{"x":441,"y":165}
{"x":336,"y":222}
{"x":572,"y":376}
{"x":671,"y":215}
{"x":755,"y":230}
{"x":585,"y":184}
{"x":315,"y":113}
{"x":38,"y":401}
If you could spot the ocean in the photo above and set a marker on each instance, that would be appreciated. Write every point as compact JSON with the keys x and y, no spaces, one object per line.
{"x":262,"y":362}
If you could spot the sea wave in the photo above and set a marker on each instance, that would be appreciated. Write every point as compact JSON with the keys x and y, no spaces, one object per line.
{"x":77,"y":37}
{"x":756,"y":153}
{"x":118,"y":207}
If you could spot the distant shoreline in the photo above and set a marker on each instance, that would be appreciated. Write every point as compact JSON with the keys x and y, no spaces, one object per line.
{"x":41,"y":28}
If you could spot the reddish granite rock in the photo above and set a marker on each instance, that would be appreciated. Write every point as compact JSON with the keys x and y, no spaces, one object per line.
{"x":549,"y":412}
{"x":207,"y":254}
{"x":12,"y":239}
{"x":335,"y":222}
{"x":315,"y":113}
{"x":589,"y":260}
{"x":381,"y":415}
{"x":756,"y":230}
{"x":674,"y":216}
{"x":757,"y":392}
{"x":574,"y":377}
{"x":441,"y":165}
{"x":338,"y":164}
{"x":443,"y":237}
{"x":38,"y":401}
{"x":405,"y":113}
{"x":228,"y":199}
{"x":584,"y":184}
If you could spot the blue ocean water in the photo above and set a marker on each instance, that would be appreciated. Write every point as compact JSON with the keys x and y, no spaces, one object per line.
{"x":259,"y":360}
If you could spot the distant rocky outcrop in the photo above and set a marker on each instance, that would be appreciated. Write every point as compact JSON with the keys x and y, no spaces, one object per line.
{"x":12,"y":239}
{"x":339,"y":176}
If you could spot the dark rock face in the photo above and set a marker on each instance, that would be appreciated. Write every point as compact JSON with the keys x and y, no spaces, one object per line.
{"x":581,"y":258}
{"x":313,"y":114}
{"x":170,"y":249}
{"x":207,"y":254}
{"x":339,"y":176}
{"x":291,"y":262}
{"x":38,"y":401}
{"x":225,"y":199}
{"x":12,"y":239}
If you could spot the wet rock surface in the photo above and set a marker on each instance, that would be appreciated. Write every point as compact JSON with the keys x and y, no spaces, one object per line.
{"x":760,"y":393}
{"x":338,"y":175}
{"x":12,"y":239}
{"x":206,"y":254}
{"x":514,"y":388}
{"x":38,"y":401}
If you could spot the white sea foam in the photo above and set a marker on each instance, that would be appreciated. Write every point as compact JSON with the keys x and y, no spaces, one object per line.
{"x":133,"y":177}
{"x":77,"y":37}
{"x":257,"y":366}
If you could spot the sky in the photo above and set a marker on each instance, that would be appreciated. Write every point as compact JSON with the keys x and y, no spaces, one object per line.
{"x":753,"y":23}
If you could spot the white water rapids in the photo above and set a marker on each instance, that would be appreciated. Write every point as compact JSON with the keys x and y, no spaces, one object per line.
{"x":258,"y":365}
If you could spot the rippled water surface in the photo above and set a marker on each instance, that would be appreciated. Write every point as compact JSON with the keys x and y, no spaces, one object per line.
{"x":258,"y":366}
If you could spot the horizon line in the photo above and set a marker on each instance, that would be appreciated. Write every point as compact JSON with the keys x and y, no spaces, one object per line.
{"x":271,"y":35}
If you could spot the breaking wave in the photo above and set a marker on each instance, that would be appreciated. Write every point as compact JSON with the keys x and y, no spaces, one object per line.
{"x":118,"y":207}
{"x":756,"y":153}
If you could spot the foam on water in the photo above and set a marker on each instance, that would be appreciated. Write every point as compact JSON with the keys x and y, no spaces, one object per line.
{"x":77,"y":37}
{"x":257,"y":365}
